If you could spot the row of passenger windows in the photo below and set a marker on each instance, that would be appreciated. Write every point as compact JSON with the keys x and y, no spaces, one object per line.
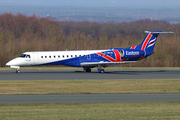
{"x":71,"y":56}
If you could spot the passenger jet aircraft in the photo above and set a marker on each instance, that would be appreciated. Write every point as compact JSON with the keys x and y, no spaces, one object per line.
{"x":89,"y":58}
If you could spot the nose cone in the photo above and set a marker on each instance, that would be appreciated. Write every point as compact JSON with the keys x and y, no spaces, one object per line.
{"x":12,"y":62}
{"x":8,"y":64}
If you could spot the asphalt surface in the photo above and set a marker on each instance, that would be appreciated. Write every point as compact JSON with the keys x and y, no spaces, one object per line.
{"x":87,"y":98}
{"x":81,"y":75}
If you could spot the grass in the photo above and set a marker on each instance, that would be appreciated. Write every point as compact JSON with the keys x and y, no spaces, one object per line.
{"x":98,"y":111}
{"x":89,"y":86}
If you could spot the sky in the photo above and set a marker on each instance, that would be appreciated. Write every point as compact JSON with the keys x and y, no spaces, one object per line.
{"x":136,"y":9}
{"x":97,"y":3}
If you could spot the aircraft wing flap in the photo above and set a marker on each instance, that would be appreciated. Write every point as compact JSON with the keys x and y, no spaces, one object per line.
{"x":86,"y":64}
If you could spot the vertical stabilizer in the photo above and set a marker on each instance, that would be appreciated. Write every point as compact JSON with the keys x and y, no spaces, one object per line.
{"x":149,"y":42}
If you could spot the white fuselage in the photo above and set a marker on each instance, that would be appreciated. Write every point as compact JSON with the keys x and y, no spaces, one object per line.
{"x":46,"y":57}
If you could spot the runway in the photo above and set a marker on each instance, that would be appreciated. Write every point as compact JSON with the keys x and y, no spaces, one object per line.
{"x":81,"y":75}
{"x":88,"y":98}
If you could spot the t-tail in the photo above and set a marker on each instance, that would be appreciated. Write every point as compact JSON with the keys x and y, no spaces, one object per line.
{"x":149,"y":42}
{"x":144,"y":49}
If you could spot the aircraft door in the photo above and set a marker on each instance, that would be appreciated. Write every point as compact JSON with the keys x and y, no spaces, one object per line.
{"x":28,"y":59}
{"x":35,"y":58}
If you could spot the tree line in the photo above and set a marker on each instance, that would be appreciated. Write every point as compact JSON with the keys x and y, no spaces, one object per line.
{"x":20,"y":33}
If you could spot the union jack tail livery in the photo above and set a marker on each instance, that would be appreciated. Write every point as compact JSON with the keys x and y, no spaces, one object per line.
{"x":89,"y":58}
{"x":149,"y":42}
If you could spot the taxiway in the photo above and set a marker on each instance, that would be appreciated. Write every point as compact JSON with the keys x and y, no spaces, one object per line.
{"x":88,"y":98}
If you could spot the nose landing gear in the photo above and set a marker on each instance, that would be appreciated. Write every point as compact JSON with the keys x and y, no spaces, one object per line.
{"x":17,"y":67}
{"x":17,"y":71}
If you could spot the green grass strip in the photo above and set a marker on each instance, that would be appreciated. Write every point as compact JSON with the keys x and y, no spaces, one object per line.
{"x":91,"y":111}
{"x":89,"y":86}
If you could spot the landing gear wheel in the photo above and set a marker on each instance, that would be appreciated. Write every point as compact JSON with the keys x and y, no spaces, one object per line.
{"x":88,"y":70}
{"x":17,"y":71}
{"x":101,"y":70}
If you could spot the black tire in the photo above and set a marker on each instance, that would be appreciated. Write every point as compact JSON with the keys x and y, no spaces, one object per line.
{"x":88,"y":70}
{"x":102,"y":71}
{"x":17,"y":71}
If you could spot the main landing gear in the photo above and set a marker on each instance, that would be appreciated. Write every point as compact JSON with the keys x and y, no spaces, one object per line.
{"x":100,"y":69}
{"x":87,"y":69}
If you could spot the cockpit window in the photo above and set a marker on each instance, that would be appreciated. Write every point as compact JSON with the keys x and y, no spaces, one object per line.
{"x":28,"y":56}
{"x":23,"y":55}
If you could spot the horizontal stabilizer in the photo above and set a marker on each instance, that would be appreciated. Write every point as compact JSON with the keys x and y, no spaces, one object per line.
{"x":157,"y":32}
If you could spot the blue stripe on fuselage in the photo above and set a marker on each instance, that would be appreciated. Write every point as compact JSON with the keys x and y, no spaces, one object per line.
{"x":76,"y":62}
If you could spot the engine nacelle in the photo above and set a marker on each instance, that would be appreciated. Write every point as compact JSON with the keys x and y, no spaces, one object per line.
{"x":131,"y":53}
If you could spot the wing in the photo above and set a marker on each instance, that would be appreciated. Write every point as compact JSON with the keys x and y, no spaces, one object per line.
{"x":104,"y":64}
